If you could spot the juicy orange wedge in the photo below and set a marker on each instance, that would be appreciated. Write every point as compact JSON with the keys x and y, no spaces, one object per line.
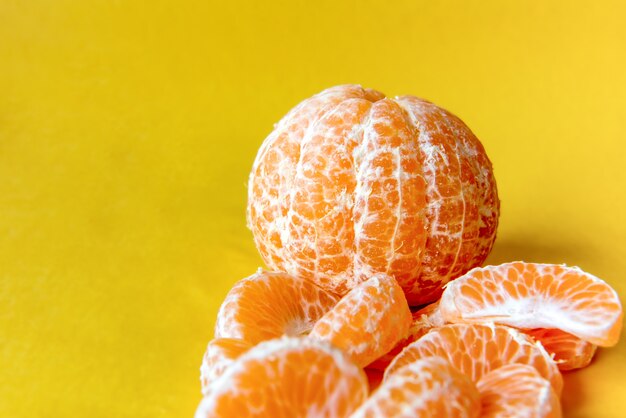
{"x":569,"y":351}
{"x":478,"y":349}
{"x":517,"y":390}
{"x":369,"y":321}
{"x":429,"y":387}
{"x":529,"y":295}
{"x":220,"y":354}
{"x":423,"y":320}
{"x":287,"y":377}
{"x":269,"y":305}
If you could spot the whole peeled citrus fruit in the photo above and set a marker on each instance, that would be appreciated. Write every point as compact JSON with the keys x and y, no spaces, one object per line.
{"x":351,"y":183}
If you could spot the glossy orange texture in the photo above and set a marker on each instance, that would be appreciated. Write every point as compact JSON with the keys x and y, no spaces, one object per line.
{"x":423,"y":320}
{"x":478,"y":349}
{"x":351,"y":183}
{"x":288,"y":377}
{"x":531,"y":295}
{"x":368,"y":322}
{"x":429,"y":387}
{"x":517,"y":390}
{"x":269,"y":305}
{"x":570,"y":352}
{"x":221,"y":353}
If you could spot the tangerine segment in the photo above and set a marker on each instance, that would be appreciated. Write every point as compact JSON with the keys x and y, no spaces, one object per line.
{"x":389,"y":197}
{"x":268,"y":305}
{"x":271,"y":185}
{"x":529,"y":295}
{"x":368,"y":321}
{"x":287,"y":377}
{"x":318,"y":232}
{"x":429,"y":387}
{"x":569,"y":351}
{"x":517,"y":390}
{"x":220,"y":354}
{"x":477,"y":349}
{"x":423,"y":320}
{"x":462,"y":205}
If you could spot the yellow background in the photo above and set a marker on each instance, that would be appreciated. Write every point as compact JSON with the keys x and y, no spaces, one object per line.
{"x":127,"y":130}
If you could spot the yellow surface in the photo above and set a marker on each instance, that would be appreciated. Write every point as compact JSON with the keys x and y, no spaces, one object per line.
{"x":127,"y":130}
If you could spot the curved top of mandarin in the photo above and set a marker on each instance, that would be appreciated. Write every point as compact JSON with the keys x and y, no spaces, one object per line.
{"x":351,"y":184}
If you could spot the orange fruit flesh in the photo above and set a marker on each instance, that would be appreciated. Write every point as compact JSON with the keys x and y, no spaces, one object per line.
{"x":220,"y":354}
{"x":384,"y":201}
{"x":476,"y":349}
{"x":428,"y":387}
{"x":269,"y":305}
{"x":517,"y":390}
{"x":271,"y":189}
{"x":529,"y":295}
{"x":351,"y":184}
{"x":462,"y":205}
{"x":570,"y":352}
{"x":368,"y":321}
{"x":423,"y":320}
{"x":389,"y":197}
{"x":294,"y":377}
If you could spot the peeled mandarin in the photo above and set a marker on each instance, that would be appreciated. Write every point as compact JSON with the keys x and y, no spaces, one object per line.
{"x":350,"y":184}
